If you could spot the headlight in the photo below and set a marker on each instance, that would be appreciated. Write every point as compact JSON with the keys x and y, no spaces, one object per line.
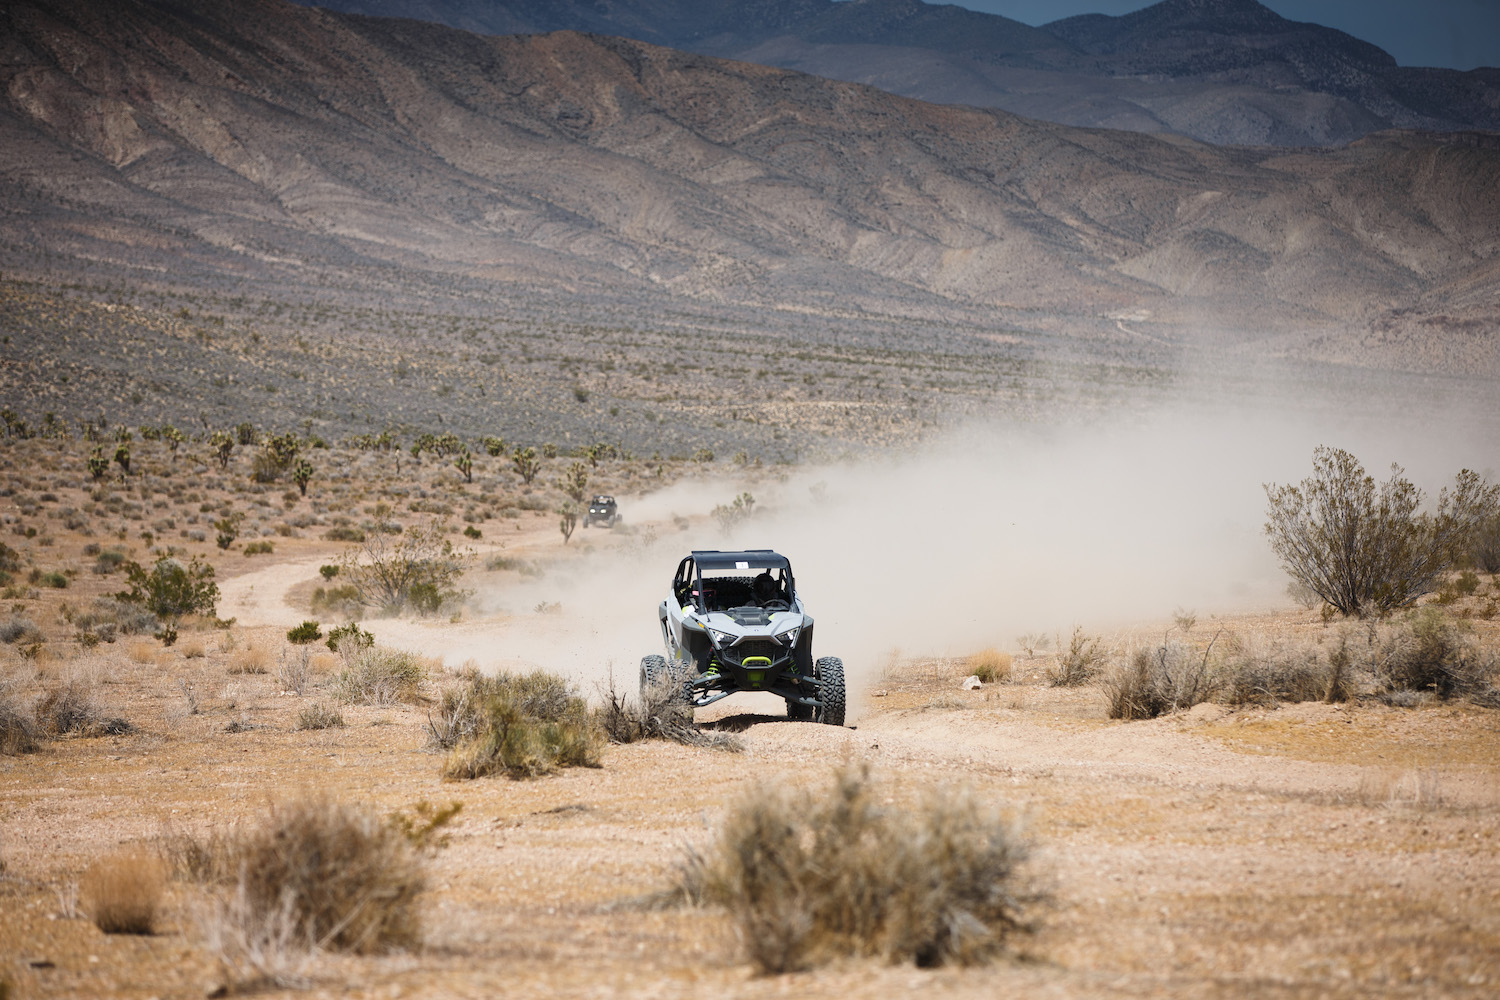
{"x":721,"y":638}
{"x":790,"y":635}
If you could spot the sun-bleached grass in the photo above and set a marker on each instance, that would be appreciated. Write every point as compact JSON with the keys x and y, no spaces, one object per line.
{"x":250,"y":660}
{"x":142,"y":651}
{"x":353,"y":881}
{"x":991,"y":666}
{"x":122,"y":892}
{"x":376,"y":675}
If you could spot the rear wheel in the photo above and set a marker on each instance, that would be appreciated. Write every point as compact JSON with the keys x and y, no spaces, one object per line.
{"x":830,"y":673}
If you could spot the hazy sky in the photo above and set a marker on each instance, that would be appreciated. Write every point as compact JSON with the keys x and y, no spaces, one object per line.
{"x":1459,"y":33}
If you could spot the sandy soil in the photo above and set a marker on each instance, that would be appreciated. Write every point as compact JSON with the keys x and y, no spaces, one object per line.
{"x":1309,"y":850}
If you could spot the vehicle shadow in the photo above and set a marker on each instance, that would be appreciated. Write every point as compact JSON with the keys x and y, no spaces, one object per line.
{"x":741,"y":722}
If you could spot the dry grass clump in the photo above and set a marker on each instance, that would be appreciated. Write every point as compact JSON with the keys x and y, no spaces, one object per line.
{"x":660,"y":715}
{"x":250,"y":660}
{"x":319,"y":716}
{"x":122,"y":892}
{"x":1154,"y":682}
{"x":521,"y":725}
{"x":1080,"y":663}
{"x":1430,"y":652}
{"x":810,"y":875}
{"x":379,"y":676}
{"x":18,"y":733}
{"x":990,"y":665}
{"x":342,"y":877}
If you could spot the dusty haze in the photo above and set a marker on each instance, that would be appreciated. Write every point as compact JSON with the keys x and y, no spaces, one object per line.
{"x":993,"y":531}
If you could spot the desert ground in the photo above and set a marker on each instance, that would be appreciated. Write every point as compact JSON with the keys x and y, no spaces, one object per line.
{"x":1258,"y":849}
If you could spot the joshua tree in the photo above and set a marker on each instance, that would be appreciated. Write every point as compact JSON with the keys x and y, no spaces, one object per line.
{"x":173,"y":437}
{"x":302,"y":475}
{"x":574,"y":482}
{"x":527,"y":464}
{"x":122,"y":456}
{"x":569,"y":521}
{"x":493,"y":446}
{"x":98,"y":464}
{"x":222,"y":442}
{"x":465,"y":464}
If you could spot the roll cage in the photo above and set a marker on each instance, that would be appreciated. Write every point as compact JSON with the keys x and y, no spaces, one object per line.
{"x":731,"y":582}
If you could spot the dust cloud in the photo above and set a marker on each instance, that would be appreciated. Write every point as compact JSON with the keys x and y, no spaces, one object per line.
{"x":990,"y":532}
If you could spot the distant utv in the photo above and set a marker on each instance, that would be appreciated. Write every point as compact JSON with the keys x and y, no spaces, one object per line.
{"x":602,"y":510}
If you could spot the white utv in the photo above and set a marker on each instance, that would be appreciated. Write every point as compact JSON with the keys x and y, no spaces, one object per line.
{"x":735,"y":623}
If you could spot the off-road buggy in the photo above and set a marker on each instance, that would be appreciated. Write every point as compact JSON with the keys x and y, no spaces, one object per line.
{"x":735,"y":623}
{"x":602,"y":510}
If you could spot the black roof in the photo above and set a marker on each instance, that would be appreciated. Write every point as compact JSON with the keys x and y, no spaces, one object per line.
{"x":752,"y":558}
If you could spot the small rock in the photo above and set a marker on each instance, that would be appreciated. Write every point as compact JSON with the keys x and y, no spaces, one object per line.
{"x":972,"y":683}
{"x":878,"y":694}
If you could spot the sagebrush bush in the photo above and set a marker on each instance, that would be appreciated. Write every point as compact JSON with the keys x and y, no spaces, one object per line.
{"x":990,"y":665}
{"x":1430,"y":652}
{"x":1079,"y":663}
{"x":520,"y":725}
{"x":812,"y":874}
{"x":319,"y":716}
{"x":122,"y":893}
{"x":348,"y":879}
{"x":18,"y":733}
{"x":376,"y":675}
{"x":1256,"y":673}
{"x":71,"y":708}
{"x":1153,"y":682}
{"x":19,"y":629}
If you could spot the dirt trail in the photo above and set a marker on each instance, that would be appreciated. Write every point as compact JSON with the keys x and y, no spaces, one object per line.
{"x":1170,"y":752}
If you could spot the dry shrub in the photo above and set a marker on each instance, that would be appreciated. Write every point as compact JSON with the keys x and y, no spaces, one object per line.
{"x":250,"y":660}
{"x":122,"y":892}
{"x":1080,"y":663}
{"x":522,"y":725}
{"x":1253,"y":673}
{"x":1156,"y":681}
{"x":70,"y":708}
{"x":255,"y":947}
{"x":294,"y":669}
{"x":1430,"y":652}
{"x":990,"y":665}
{"x":810,"y":875}
{"x":324,"y":664}
{"x":18,"y":629}
{"x":380,"y":676}
{"x":660,"y":715}
{"x":319,"y":716}
{"x":339,"y":876}
{"x":204,"y":860}
{"x":193,"y":649}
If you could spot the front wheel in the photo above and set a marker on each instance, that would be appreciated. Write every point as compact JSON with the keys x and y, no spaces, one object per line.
{"x":659,"y":679}
{"x":829,"y":671}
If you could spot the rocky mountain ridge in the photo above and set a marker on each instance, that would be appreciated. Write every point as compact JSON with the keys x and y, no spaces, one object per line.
{"x":1222,"y":71}
{"x":263,"y":141}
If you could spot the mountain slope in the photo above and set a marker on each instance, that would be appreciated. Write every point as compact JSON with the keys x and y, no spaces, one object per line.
{"x":1224,"y":71}
{"x":259,"y":138}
